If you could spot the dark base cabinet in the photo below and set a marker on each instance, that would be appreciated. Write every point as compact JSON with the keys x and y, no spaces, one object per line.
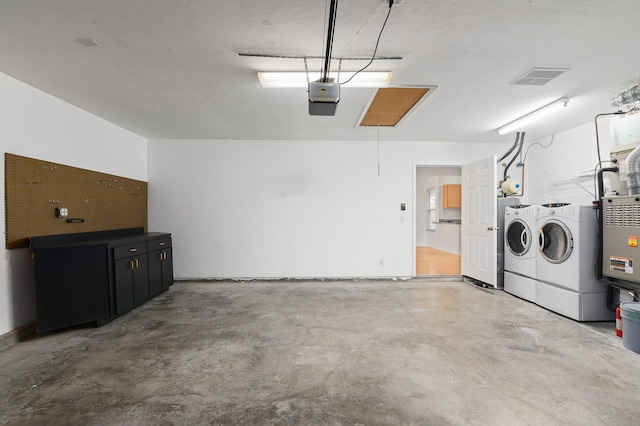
{"x":160,"y":265}
{"x":98,"y":276}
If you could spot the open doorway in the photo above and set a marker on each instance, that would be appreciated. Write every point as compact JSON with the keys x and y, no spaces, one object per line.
{"x":437,"y":220}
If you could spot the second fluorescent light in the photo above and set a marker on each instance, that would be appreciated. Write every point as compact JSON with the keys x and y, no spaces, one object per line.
{"x":533,"y":116}
{"x":299,"y":79}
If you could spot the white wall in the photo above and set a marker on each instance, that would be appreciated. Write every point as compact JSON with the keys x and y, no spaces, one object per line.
{"x":270,"y":209}
{"x":37,"y":125}
{"x":563,"y":172}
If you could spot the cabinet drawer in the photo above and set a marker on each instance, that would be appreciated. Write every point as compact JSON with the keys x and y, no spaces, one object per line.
{"x":159,"y":244}
{"x":129,"y":250}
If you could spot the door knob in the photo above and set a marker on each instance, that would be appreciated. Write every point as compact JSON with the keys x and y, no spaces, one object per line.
{"x":490,"y":228}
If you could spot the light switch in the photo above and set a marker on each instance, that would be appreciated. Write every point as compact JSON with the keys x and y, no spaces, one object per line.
{"x":403,"y":207}
{"x":62,"y":212}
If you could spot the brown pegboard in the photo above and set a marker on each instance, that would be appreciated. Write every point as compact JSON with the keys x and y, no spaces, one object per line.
{"x":35,"y":188}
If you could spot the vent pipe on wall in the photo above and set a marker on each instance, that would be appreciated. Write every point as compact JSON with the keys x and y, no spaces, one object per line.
{"x":633,"y":171}
{"x":633,"y":159}
{"x":627,"y":97}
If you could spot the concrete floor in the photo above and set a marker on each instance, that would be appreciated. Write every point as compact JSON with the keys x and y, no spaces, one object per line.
{"x":330,"y":353}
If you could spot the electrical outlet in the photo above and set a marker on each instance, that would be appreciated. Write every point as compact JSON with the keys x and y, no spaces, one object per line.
{"x":62,"y":212}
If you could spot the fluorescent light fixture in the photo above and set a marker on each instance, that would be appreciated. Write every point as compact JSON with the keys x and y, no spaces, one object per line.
{"x":299,"y":79}
{"x":535,"y":115}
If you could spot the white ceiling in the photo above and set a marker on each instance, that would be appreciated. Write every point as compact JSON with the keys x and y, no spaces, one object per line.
{"x":172,"y":69}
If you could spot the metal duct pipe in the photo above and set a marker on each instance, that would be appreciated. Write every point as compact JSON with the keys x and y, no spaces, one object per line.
{"x":627,"y":97}
{"x":633,"y":171}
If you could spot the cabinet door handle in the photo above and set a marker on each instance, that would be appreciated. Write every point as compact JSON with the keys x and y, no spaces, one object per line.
{"x":137,"y":263}
{"x":133,"y":250}
{"x":160,"y":256}
{"x":132,"y":265}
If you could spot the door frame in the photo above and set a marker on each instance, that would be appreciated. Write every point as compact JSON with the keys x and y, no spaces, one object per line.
{"x":414,"y":188}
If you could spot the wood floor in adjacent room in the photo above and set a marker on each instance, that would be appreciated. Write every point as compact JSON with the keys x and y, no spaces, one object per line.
{"x":430,"y":261}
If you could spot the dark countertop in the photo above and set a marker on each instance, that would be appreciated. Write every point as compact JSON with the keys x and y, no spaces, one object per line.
{"x":106,"y":238}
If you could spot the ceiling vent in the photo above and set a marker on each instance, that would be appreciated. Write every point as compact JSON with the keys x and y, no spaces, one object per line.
{"x":539,"y":76}
{"x":87,"y":42}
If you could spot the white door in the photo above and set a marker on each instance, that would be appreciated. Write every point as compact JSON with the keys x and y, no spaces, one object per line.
{"x":479,"y":221}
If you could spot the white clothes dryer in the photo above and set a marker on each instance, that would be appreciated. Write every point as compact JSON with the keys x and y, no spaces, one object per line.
{"x":520,"y":251}
{"x":565,"y":265}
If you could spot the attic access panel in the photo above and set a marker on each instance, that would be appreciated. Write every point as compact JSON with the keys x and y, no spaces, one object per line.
{"x":389,"y":106}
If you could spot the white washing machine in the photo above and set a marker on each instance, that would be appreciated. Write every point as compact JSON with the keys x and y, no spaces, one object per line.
{"x":520,"y":251}
{"x":565,"y":264}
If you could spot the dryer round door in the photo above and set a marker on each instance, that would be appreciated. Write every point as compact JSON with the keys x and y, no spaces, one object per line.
{"x":518,"y":237}
{"x":555,"y":242}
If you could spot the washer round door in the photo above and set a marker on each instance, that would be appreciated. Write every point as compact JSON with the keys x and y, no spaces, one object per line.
{"x":518,"y":237}
{"x":555,"y":242}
